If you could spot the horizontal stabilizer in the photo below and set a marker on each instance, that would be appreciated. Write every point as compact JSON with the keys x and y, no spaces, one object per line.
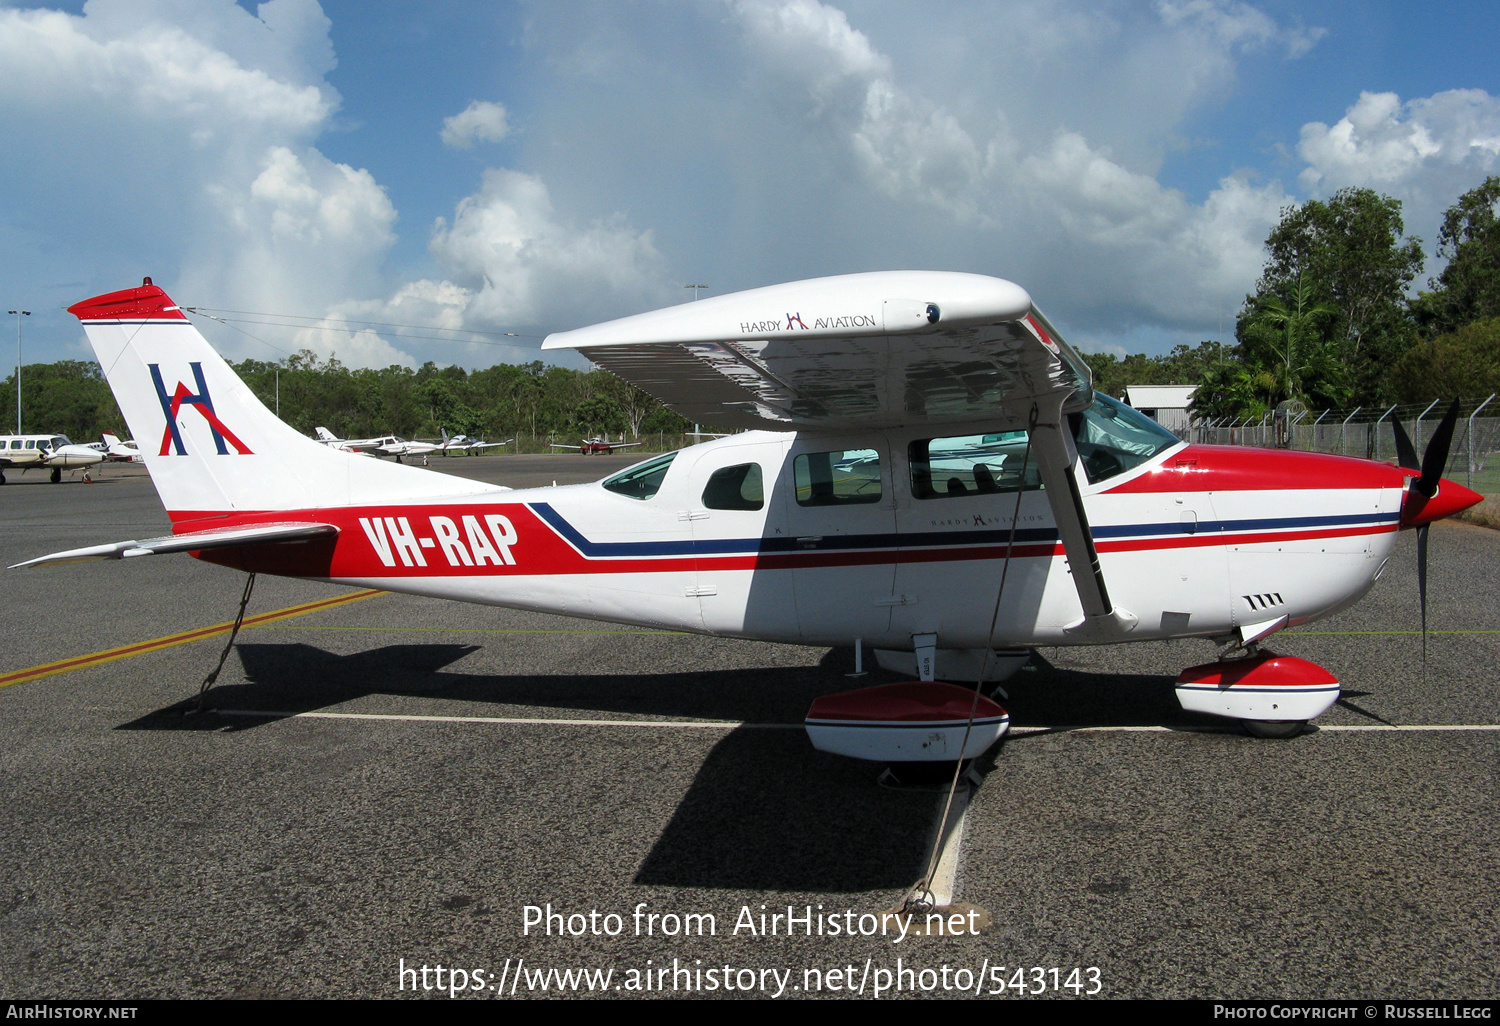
{"x":258,"y":535}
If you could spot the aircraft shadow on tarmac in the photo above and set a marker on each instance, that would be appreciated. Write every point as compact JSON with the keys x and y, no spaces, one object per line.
{"x":765,"y":811}
{"x":286,"y":679}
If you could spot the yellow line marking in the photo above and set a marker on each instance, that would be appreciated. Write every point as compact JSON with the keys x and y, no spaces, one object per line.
{"x":109,"y":655}
{"x":462,"y":630}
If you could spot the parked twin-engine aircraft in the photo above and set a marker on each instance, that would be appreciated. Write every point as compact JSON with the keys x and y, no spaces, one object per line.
{"x":385,"y":445}
{"x":596,"y":446}
{"x":465,"y":444}
{"x":53,"y":452}
{"x":930,"y":473}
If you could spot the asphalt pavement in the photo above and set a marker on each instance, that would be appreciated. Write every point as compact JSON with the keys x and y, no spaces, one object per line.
{"x":391,"y":783}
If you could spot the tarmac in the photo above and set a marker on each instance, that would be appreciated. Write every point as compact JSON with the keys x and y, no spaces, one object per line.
{"x":386,"y":783}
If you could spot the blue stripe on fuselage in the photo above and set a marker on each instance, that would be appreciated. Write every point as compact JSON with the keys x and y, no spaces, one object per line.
{"x":929,"y":539}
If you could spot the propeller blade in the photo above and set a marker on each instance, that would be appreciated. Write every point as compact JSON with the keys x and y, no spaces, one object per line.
{"x":1406,"y":453}
{"x":1435,"y":459}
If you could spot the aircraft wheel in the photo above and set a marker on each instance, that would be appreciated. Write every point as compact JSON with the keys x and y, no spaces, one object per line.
{"x":1274,"y":728}
{"x":56,"y":475}
{"x":2,"y":479}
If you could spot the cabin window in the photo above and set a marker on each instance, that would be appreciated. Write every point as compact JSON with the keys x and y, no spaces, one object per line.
{"x":15,"y":443}
{"x":948,"y":468}
{"x":31,"y":443}
{"x":843,"y":478}
{"x":735,"y":488}
{"x":1113,"y":438}
{"x":643,"y":480}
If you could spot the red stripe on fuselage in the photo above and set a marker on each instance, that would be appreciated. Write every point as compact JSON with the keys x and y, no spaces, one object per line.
{"x":1231,"y":468}
{"x":539,"y":549}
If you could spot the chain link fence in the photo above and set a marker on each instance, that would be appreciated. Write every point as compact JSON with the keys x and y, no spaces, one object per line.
{"x":1473,"y":458}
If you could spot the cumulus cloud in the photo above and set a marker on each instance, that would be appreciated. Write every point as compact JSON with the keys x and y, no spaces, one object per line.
{"x":175,"y":137}
{"x":303,"y":234}
{"x":1065,"y":213}
{"x":524,"y":265}
{"x":1238,"y":25}
{"x":480,"y":121}
{"x":1382,"y":141}
{"x":1425,"y":152}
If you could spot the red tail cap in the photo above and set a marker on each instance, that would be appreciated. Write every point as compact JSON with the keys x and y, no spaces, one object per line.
{"x":145,"y":303}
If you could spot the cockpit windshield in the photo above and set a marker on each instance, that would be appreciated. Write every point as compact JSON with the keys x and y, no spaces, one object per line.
{"x":1113,"y":438}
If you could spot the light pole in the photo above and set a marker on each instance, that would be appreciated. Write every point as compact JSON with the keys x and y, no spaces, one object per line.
{"x":19,"y":314}
{"x":695,"y":289}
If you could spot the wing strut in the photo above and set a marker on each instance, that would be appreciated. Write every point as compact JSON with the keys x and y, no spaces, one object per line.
{"x":1056,"y":457}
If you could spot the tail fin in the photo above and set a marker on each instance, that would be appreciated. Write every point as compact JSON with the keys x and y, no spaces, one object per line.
{"x":324,"y":435}
{"x":110,"y":439}
{"x":212,"y":446}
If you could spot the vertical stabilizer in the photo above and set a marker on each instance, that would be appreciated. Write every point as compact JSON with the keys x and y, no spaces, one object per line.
{"x":208,"y":442}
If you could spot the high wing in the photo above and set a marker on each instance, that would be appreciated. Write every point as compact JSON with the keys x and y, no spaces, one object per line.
{"x":861,"y":350}
{"x":876,"y":350}
{"x":194,"y":542}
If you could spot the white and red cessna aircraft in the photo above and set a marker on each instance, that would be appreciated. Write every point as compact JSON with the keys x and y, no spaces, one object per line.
{"x":932,"y":476}
{"x":596,"y":446}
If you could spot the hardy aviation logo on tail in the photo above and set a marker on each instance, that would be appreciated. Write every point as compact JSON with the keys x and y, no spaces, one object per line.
{"x":171,"y":438}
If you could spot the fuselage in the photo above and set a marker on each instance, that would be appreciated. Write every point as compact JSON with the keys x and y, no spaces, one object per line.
{"x":822,"y":539}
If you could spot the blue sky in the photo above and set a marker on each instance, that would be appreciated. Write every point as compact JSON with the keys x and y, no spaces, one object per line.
{"x":472,"y":168}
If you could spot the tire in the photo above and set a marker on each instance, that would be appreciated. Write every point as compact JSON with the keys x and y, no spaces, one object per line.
{"x":1274,"y":728}
{"x":56,"y":475}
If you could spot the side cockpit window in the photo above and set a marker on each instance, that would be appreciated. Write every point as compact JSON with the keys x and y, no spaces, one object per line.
{"x":1113,"y":438}
{"x":735,"y":488}
{"x":643,"y":480}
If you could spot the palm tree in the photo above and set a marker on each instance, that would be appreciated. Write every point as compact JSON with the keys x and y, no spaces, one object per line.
{"x":1292,"y":331}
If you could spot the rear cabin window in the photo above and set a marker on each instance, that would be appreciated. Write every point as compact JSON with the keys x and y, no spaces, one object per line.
{"x":735,"y":488}
{"x":948,"y":468}
{"x":643,"y":480}
{"x":1113,"y":438}
{"x":842,"y":478}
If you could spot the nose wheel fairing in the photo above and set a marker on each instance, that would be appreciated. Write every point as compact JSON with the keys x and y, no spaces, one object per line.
{"x":1263,"y":688}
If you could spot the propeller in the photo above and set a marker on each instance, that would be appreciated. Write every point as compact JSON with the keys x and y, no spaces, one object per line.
{"x":1423,"y":488}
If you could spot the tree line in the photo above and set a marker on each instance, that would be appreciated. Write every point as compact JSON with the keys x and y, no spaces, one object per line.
{"x":533,"y":403}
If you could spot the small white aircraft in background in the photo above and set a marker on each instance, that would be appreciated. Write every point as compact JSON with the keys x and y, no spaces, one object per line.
{"x":934,"y":477}
{"x":54,"y":452}
{"x":385,"y":445}
{"x":465,"y":444}
{"x":118,"y":451}
{"x":596,"y":446}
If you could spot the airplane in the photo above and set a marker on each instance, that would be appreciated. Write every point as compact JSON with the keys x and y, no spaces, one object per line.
{"x":55,"y":452}
{"x":597,"y":446}
{"x":386,"y":445}
{"x":118,"y":451}
{"x":465,"y":444}
{"x":834,"y":519}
